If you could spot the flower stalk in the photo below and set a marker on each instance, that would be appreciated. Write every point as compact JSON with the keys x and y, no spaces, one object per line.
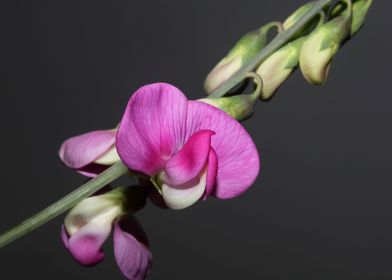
{"x":64,"y":204}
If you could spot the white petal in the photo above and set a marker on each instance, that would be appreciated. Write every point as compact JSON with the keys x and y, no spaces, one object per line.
{"x":97,"y":209}
{"x":183,"y":196}
{"x":108,"y":158}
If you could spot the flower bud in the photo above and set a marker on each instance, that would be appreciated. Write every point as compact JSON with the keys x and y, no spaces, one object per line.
{"x":360,"y":9}
{"x":321,"y":46}
{"x":299,"y":13}
{"x":359,"y":12}
{"x":243,"y":52}
{"x":240,"y":107}
{"x":276,"y":68}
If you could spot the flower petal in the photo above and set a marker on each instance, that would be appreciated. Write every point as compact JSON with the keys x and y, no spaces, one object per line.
{"x":85,"y":245}
{"x":101,"y":208}
{"x":211,"y":173}
{"x":180,"y":197}
{"x":190,"y":160}
{"x":64,"y":236}
{"x":237,"y":155}
{"x":81,"y":150}
{"x":108,"y":158}
{"x":152,"y":128}
{"x":130,"y":248}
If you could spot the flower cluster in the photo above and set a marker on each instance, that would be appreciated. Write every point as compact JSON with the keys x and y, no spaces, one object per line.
{"x":184,"y":151}
{"x":312,"y":48}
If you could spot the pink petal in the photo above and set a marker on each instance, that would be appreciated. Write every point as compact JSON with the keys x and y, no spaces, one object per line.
{"x":190,"y":160}
{"x":152,"y":128}
{"x":85,"y":245}
{"x":211,"y":173}
{"x":130,"y":248}
{"x":81,"y":150}
{"x":237,"y":155}
{"x":64,"y":236}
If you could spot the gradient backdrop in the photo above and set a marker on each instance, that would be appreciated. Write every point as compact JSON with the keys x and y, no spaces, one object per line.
{"x":321,"y":208}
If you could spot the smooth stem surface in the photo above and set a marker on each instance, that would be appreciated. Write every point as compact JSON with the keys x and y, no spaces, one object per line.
{"x":64,"y":203}
{"x":281,"y":39}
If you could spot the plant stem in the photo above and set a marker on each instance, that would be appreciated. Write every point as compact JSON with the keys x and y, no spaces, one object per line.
{"x":64,"y":203}
{"x":281,"y":39}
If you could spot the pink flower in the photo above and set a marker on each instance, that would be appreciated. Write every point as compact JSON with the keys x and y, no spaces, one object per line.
{"x":89,"y":224}
{"x":189,"y":148}
{"x":90,"y":153}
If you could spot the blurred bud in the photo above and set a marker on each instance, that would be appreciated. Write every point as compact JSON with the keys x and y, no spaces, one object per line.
{"x":276,"y":68}
{"x":294,"y":17}
{"x":299,"y":13}
{"x":240,"y":107}
{"x":321,"y":45}
{"x":243,"y":52}
{"x":360,"y":9}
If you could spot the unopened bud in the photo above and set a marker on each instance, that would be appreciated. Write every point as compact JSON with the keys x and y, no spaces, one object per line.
{"x":240,"y":107}
{"x":299,"y":13}
{"x":276,"y":68}
{"x":321,"y":45}
{"x":360,"y":9}
{"x":243,"y":52}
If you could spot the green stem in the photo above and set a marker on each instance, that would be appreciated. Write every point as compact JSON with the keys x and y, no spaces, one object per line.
{"x":281,"y":39}
{"x":64,"y":203}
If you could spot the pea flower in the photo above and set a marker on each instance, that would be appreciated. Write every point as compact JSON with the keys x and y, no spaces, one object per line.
{"x":90,"y":153}
{"x":89,"y":224}
{"x":190,"y":149}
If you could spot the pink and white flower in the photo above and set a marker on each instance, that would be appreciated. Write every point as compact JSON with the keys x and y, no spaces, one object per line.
{"x":90,"y":223}
{"x":190,"y":149}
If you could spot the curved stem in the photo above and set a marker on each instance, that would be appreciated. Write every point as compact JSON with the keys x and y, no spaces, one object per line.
{"x":258,"y":82}
{"x":64,"y":204}
{"x":281,"y":39}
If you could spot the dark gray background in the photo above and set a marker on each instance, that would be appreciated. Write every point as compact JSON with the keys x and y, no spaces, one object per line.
{"x":321,"y":208}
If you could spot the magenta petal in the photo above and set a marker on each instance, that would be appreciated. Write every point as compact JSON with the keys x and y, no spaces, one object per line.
{"x":152,"y":128}
{"x":85,"y":245}
{"x":81,"y":150}
{"x":211,"y":172}
{"x":130,"y":248}
{"x":64,"y":236}
{"x":190,"y":160}
{"x":237,"y":155}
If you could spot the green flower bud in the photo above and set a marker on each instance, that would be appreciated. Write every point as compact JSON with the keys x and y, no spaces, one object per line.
{"x":276,"y":68}
{"x":240,"y":107}
{"x":321,"y":45}
{"x":243,"y":52}
{"x":360,"y":9}
{"x":299,"y":13}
